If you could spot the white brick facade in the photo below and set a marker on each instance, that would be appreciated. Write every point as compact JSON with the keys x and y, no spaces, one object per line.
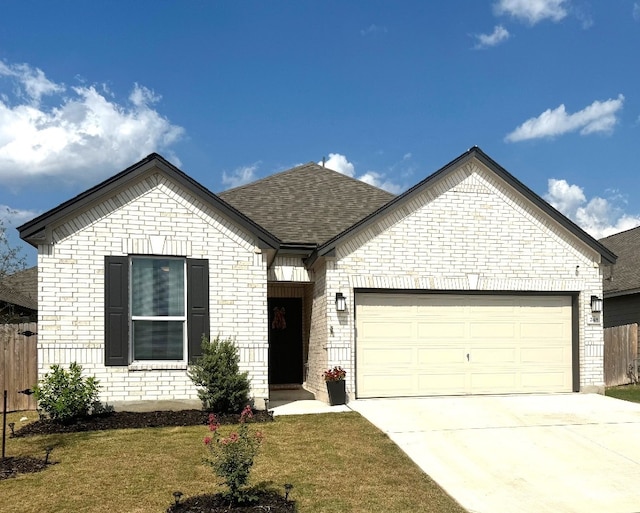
{"x":153,"y":217}
{"x":470,"y":231}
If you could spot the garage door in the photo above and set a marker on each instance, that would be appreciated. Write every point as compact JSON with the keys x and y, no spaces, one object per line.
{"x":435,"y":344}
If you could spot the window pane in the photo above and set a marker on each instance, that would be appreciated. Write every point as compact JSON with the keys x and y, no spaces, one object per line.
{"x":158,"y":340}
{"x":157,"y":287}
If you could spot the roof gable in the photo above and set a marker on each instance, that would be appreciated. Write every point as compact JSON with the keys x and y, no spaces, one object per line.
{"x":36,"y":231}
{"x":474,"y":153}
{"x":308,"y":204}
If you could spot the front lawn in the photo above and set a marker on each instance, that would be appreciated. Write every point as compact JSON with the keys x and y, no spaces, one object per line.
{"x":336,"y":462}
{"x":625,"y":392}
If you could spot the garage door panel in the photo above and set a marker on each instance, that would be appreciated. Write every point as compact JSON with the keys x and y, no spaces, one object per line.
{"x":382,"y":357}
{"x":515,"y":344}
{"x":379,"y":385}
{"x":489,"y":381}
{"x":544,"y":330}
{"x":492,"y":330}
{"x":436,"y":383}
{"x":548,"y":381}
{"x":553,"y":355}
{"x":439,"y":330}
{"x":494,"y":355}
{"x":431,"y":356}
{"x":385,"y":329}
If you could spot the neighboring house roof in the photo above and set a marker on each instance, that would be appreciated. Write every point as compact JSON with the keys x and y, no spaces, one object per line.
{"x":473,"y":153}
{"x":25,"y":282}
{"x":35,"y":231}
{"x":308,"y":204}
{"x":13,"y":297}
{"x":624,"y":277}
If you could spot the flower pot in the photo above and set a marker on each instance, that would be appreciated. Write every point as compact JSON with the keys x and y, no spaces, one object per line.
{"x":337,"y":392}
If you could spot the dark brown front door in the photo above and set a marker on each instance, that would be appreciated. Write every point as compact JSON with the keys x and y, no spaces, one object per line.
{"x":285,"y":340}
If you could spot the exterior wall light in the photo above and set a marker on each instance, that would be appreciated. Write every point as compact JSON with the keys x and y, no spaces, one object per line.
{"x":341,"y":302}
{"x":596,"y":304}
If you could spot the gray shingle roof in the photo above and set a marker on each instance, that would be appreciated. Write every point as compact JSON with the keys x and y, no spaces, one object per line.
{"x":307,"y":204}
{"x":25,"y":282}
{"x":21,"y":288}
{"x":625,"y":276}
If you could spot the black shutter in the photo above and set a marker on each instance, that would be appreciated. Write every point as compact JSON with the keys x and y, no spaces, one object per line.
{"x":197,"y":304}
{"x":116,"y":310}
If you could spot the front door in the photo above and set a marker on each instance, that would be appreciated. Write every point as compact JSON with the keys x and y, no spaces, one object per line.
{"x":285,"y":340}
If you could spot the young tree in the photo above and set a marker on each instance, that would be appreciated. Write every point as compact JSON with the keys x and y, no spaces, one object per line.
{"x":11,"y":261}
{"x":11,"y":258}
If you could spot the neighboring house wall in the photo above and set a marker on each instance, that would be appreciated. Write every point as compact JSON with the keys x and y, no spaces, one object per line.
{"x":468,"y":223}
{"x":621,"y":310}
{"x":153,"y":217}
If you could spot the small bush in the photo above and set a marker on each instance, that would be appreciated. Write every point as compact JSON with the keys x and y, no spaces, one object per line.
{"x":223,"y":388}
{"x":65,"y":395}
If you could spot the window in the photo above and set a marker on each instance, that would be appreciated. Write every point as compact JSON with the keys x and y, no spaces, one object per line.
{"x":156,"y":308}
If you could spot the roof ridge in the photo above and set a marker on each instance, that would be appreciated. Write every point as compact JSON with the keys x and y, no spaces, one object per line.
{"x":299,"y":168}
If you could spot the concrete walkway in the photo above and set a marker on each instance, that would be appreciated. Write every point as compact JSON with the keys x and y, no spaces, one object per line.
{"x":299,"y":402}
{"x":559,"y":453}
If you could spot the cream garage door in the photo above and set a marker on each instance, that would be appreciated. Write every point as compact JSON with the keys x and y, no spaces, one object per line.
{"x":436,"y":344}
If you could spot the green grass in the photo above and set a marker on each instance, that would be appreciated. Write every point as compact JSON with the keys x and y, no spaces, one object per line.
{"x":625,"y":392}
{"x":336,"y":462}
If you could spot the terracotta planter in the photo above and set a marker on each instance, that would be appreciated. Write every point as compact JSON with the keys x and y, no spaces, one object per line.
{"x":337,"y":392}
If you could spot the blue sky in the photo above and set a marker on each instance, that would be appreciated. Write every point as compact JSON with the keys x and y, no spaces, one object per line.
{"x":387,"y":91}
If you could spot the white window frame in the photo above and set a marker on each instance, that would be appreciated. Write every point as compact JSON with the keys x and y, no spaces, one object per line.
{"x":165,"y":318}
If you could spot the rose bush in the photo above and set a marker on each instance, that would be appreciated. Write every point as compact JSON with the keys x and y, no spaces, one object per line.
{"x":232,"y":457}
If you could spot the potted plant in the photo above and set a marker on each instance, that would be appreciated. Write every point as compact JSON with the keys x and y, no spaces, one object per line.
{"x":334,"y":378}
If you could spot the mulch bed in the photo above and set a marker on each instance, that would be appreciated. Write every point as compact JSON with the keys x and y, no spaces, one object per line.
{"x":267,"y":501}
{"x":132,"y":420}
{"x":10,"y":467}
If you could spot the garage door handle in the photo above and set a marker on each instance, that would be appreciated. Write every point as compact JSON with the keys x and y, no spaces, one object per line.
{"x":467,"y":356}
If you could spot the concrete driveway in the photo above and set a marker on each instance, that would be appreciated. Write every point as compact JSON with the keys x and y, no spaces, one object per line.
{"x":555,"y":453}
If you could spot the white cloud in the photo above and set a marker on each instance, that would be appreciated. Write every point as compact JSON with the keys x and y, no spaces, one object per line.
{"x":599,"y":217}
{"x":532,"y":11}
{"x":240,"y":176}
{"x":381,"y":182}
{"x":636,"y":11}
{"x":339,"y":163}
{"x":597,"y":117}
{"x":499,"y":35}
{"x":373,"y":29}
{"x":79,"y":134}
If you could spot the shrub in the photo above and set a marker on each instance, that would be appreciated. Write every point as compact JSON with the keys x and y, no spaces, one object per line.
{"x":223,"y":388}
{"x":64,"y":395}
{"x":232,"y":456}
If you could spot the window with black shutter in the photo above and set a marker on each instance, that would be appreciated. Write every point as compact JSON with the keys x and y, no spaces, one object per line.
{"x":156,"y":308}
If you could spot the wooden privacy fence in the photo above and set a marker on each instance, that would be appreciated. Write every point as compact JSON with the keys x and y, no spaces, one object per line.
{"x":620,"y":355}
{"x":18,"y":363}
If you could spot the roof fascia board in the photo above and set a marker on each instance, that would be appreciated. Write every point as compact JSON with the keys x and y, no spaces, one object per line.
{"x":619,"y":293}
{"x":121,"y":180}
{"x":488,"y":162}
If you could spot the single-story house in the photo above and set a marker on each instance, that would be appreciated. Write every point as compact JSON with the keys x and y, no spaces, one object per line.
{"x":622,"y":281}
{"x":467,"y":283}
{"x":19,"y":296}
